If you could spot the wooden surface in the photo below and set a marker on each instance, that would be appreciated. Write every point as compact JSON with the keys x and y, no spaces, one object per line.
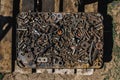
{"x":57,"y":6}
{"x":27,"y":5}
{"x":91,"y":7}
{"x":70,"y":6}
{"x":6,"y":9}
{"x":47,"y":5}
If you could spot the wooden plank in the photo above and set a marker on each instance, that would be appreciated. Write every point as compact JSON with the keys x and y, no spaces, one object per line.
{"x":48,"y":5}
{"x":69,"y":6}
{"x":28,"y":5}
{"x":93,"y":7}
{"x":85,"y":71}
{"x":20,"y":6}
{"x":57,"y":6}
{"x":64,"y":71}
{"x":44,"y":70}
{"x":6,"y":36}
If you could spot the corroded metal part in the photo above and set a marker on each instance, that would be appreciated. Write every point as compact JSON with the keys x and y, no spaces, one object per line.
{"x":60,"y":40}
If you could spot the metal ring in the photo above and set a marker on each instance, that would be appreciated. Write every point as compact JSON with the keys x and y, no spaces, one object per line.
{"x":85,"y":45}
{"x":99,"y":45}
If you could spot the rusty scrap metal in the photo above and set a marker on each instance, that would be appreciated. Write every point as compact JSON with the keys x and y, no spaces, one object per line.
{"x":59,"y":40}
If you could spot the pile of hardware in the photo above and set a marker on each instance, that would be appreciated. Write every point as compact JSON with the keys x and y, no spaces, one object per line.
{"x":59,"y":40}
